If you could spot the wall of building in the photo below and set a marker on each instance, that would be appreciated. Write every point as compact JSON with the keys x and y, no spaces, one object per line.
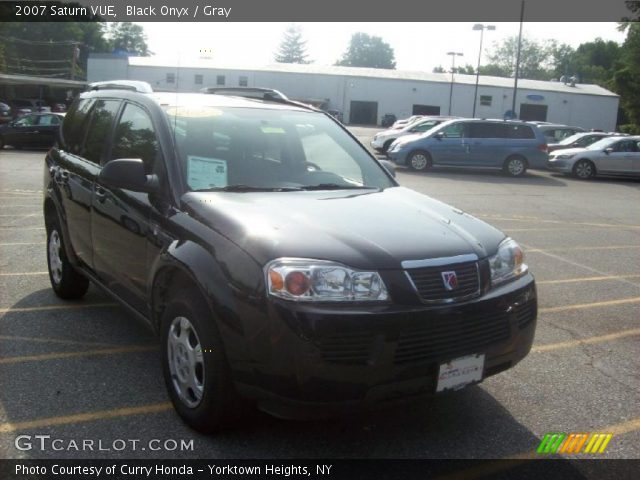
{"x":395,"y":96}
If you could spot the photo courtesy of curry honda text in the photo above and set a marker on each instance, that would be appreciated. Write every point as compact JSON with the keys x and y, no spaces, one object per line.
{"x":277,"y":260}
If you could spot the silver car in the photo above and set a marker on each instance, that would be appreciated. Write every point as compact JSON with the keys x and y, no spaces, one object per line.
{"x":609,"y":156}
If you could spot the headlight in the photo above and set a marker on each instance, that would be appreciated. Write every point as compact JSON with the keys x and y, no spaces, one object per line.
{"x":508,"y":263}
{"x":309,"y":280}
{"x":565,"y":156}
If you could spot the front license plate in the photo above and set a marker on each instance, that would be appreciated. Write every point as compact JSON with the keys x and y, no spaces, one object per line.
{"x":460,"y":372}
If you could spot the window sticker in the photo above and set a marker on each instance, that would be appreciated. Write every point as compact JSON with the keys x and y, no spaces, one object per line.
{"x":204,"y":172}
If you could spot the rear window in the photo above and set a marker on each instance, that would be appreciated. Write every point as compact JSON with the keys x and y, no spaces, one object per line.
{"x":520,"y":131}
{"x":487,"y":130}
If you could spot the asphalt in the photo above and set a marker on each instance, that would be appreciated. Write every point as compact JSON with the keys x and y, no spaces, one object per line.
{"x":87,"y":370}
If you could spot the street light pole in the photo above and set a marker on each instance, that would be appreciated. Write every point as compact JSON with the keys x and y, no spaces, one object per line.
{"x":453,"y":67}
{"x":481,"y":27}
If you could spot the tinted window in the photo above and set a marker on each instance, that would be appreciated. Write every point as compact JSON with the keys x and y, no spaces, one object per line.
{"x":27,"y":121}
{"x":74,"y":126}
{"x":625,"y":146}
{"x":519,"y":131}
{"x":102,"y":115}
{"x":487,"y":130}
{"x":135,"y":137}
{"x":49,"y":120}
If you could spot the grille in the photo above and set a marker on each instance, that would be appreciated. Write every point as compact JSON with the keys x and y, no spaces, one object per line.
{"x":526,"y":313}
{"x":347,"y":348}
{"x":450,"y":337}
{"x":430,"y":286}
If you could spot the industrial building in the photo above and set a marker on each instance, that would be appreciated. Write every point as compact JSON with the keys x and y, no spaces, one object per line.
{"x":364,"y":95}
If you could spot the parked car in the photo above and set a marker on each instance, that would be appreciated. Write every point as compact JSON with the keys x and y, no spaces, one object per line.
{"x":510,"y":146}
{"x":383,"y":140}
{"x":32,"y":131}
{"x":285,"y":266}
{"x":30,"y":105}
{"x":58,"y":107}
{"x":580,"y":140}
{"x":5,"y":112}
{"x":406,"y":121}
{"x":609,"y":156}
{"x":556,"y":133}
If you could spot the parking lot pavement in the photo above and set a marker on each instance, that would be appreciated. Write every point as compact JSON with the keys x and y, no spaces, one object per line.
{"x":87,"y":370}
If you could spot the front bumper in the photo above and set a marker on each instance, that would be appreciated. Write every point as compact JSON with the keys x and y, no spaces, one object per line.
{"x":378,"y":143}
{"x":398,"y":156}
{"x":563,"y":166}
{"x":324,"y":361}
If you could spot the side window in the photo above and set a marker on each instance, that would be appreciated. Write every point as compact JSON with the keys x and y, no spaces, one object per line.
{"x":455,"y":130}
{"x":101,"y":122}
{"x":624,"y":146}
{"x":424,"y":127}
{"x":74,"y":126}
{"x":47,"y":120}
{"x":135,"y":137}
{"x":27,"y":121}
{"x":486,"y":130}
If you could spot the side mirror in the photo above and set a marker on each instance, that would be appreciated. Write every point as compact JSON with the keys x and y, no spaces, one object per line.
{"x":608,"y":150}
{"x":390,"y":166}
{"x":128,"y":173}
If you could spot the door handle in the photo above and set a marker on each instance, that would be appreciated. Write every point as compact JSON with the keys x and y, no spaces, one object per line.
{"x":101,"y":194}
{"x":61,"y":175}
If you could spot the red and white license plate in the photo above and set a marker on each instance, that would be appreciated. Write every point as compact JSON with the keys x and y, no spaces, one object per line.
{"x":459,"y":372}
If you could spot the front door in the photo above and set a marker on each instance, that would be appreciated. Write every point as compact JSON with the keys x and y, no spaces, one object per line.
{"x":450,"y":148}
{"x":120,"y":218}
{"x":619,"y":159}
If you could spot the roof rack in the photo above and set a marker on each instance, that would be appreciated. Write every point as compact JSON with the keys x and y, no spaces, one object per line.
{"x":132,"y":85}
{"x":257,"y":93}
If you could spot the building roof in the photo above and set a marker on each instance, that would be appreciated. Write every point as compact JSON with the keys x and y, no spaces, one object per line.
{"x":540,"y":85}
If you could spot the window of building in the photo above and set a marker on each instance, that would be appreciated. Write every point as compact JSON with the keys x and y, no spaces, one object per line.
{"x":198,"y":79}
{"x":485,"y":100}
{"x":220,"y":80}
{"x":171,"y":78}
{"x":244,"y":81}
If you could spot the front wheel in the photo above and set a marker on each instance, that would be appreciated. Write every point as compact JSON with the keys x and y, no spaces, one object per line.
{"x":196,"y":372}
{"x":584,"y":169}
{"x":515,"y":166}
{"x":419,"y":161}
{"x":66,"y":282}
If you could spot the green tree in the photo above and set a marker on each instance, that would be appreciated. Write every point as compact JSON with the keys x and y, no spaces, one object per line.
{"x":368,"y":51}
{"x":466,"y":70}
{"x":50,"y":49}
{"x":626,"y":78}
{"x":535,"y":59}
{"x":292,"y":49}
{"x":128,"y":37}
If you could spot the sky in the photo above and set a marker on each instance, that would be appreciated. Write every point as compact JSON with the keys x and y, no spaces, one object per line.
{"x":417,"y":46}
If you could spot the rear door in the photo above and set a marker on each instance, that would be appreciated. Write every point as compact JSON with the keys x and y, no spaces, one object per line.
{"x":485,"y":144}
{"x":120,"y":218}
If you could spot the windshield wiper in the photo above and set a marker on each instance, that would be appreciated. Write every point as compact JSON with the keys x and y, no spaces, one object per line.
{"x":248,"y":188}
{"x":335,"y":186}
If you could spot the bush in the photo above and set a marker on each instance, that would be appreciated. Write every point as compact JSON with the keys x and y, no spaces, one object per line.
{"x":631,"y":128}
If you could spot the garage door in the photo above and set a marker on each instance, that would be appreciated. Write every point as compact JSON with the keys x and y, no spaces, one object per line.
{"x":363,"y":113}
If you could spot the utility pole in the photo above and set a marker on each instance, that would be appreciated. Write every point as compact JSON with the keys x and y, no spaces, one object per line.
{"x":515,"y":84}
{"x":453,"y":69}
{"x":482,"y":28}
{"x":74,"y":60}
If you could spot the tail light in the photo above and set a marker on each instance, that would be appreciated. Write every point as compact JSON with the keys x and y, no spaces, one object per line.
{"x":543,"y":147}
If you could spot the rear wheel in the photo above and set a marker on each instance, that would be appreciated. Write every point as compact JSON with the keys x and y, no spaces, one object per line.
{"x":196,"y":372}
{"x":419,"y":160}
{"x":66,"y":282}
{"x":515,"y":166}
{"x":584,"y":169}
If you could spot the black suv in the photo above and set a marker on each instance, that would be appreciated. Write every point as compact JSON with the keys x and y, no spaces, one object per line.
{"x":276,"y":258}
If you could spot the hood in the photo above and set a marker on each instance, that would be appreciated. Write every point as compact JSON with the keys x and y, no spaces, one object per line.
{"x":409,"y":138}
{"x":569,"y":151}
{"x":361,"y":229}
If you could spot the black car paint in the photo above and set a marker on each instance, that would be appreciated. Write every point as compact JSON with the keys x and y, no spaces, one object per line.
{"x":35,"y":136}
{"x":221,"y":243}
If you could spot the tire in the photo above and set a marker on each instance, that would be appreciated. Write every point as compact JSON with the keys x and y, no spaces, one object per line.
{"x":195,"y":367}
{"x":1,"y":142}
{"x":419,"y":161}
{"x":66,"y":281}
{"x":386,"y":145}
{"x":584,"y":169}
{"x":515,"y":166}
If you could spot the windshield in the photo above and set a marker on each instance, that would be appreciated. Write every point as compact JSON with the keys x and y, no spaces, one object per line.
{"x":248,"y":149}
{"x":602,"y":144}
